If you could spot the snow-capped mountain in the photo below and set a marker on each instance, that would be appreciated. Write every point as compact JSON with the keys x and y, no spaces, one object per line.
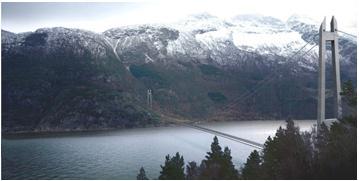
{"x":206,"y":37}
{"x":202,"y":37}
{"x":71,"y":79}
{"x":55,"y":40}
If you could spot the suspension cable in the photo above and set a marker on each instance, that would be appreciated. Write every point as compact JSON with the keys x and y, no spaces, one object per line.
{"x":269,"y":78}
{"x":347,"y":34}
{"x":260,"y":85}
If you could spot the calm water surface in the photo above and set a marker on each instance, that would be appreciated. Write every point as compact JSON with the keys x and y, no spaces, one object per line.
{"x":120,"y":154}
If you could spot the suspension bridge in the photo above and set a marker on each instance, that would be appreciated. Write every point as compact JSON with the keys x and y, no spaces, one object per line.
{"x":324,"y":36}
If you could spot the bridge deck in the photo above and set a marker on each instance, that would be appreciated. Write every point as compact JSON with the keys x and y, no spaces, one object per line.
{"x":217,"y":133}
{"x":254,"y":144}
{"x":225,"y":135}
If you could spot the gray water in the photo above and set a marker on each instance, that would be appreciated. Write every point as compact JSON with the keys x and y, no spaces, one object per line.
{"x":120,"y":154}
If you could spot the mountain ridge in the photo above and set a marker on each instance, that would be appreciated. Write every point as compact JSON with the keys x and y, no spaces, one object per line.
{"x":73,"y":79}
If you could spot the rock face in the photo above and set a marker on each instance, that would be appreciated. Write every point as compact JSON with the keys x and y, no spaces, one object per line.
{"x":60,"y":79}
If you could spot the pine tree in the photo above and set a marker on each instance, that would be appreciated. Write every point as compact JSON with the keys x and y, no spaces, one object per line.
{"x":228,"y":166}
{"x":216,"y":150}
{"x":173,"y":168}
{"x":349,"y":94}
{"x":326,"y":154}
{"x":192,"y":171}
{"x":142,"y":174}
{"x":252,"y":169}
{"x":218,"y":164}
{"x":337,"y":148}
{"x":211,"y":165}
{"x":286,"y":156}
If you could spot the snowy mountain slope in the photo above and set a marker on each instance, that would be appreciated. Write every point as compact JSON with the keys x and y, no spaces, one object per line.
{"x":72,"y":79}
{"x":202,"y":37}
{"x":53,"y":41}
{"x":140,"y":43}
{"x":205,"y":37}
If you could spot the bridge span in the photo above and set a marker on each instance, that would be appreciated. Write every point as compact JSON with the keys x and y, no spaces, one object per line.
{"x":188,"y":123}
{"x":225,"y":135}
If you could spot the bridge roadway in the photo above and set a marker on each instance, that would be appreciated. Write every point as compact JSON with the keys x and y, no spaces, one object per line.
{"x":254,"y":144}
{"x":217,"y":133}
{"x":225,"y":135}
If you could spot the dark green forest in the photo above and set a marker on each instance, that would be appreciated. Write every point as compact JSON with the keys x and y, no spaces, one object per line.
{"x":329,"y":152}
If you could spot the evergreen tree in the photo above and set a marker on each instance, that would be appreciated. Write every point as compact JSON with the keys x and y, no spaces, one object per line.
{"x":337,"y":154}
{"x":322,"y":154}
{"x":216,"y":150}
{"x":173,"y":168}
{"x":228,"y":166}
{"x":211,"y":165}
{"x":192,"y":171}
{"x":218,"y":164}
{"x":252,"y":169}
{"x":286,"y":156}
{"x":321,"y":139}
{"x":339,"y":159}
{"x":349,"y":94}
{"x":142,"y":174}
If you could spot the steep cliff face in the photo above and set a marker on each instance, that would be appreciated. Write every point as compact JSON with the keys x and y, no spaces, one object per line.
{"x":57,"y":79}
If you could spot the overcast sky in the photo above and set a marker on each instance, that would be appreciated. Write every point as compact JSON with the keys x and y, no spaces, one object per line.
{"x":21,"y":17}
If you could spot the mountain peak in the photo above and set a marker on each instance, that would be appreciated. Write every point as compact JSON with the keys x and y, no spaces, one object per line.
{"x":296,"y":18}
{"x":255,"y":17}
{"x":202,"y":22}
{"x":257,"y":20}
{"x":202,"y":16}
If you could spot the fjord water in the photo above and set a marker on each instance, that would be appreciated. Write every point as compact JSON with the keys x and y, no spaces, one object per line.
{"x":120,"y":154}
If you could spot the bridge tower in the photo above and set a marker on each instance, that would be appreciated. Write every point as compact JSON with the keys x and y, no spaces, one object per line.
{"x":332,"y":37}
{"x":149,"y":98}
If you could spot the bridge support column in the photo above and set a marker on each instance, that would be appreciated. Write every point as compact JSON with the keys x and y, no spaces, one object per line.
{"x":149,"y":98}
{"x":331,"y":36}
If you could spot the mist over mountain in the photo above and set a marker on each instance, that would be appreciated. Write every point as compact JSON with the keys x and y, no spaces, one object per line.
{"x":200,"y":68}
